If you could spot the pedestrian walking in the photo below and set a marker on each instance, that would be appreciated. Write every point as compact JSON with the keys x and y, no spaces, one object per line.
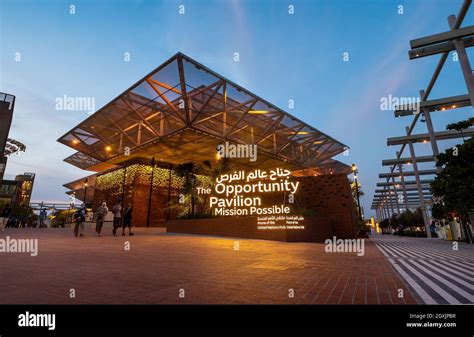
{"x":101,"y":212}
{"x":117,"y":211}
{"x":42,"y":218}
{"x":400,"y":230}
{"x":80,"y":218}
{"x":127,"y":220}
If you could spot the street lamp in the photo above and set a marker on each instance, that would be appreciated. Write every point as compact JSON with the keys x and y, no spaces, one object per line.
{"x":355,"y":172}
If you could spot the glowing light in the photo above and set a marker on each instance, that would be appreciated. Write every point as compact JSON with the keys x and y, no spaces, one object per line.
{"x":108,"y":148}
{"x":232,"y":191}
{"x":75,"y":142}
{"x":258,"y":112}
{"x":300,"y":132}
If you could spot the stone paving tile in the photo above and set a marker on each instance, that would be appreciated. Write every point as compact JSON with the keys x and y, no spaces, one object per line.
{"x":208,"y":268}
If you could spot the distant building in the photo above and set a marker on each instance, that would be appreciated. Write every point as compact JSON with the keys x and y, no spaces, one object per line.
{"x":18,"y":191}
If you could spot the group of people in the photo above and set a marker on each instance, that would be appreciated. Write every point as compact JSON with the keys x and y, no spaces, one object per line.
{"x":100,"y":214}
{"x":5,"y":216}
{"x":8,"y":219}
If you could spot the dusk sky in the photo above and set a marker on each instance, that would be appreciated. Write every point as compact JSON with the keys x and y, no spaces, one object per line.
{"x":282,"y":57}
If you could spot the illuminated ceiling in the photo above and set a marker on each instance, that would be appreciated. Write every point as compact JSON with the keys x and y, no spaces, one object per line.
{"x":181,"y":111}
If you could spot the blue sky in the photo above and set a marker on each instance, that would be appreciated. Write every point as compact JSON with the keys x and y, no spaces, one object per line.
{"x":282,"y":57}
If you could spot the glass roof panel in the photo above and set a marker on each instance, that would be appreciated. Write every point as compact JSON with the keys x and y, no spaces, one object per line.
{"x":155,"y":110}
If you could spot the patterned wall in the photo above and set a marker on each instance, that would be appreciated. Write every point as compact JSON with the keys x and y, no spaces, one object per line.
{"x":327,"y":196}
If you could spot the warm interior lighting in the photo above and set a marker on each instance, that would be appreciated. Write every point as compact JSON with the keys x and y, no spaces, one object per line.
{"x":108,"y":148}
{"x":258,"y":112}
{"x":300,"y":132}
{"x":318,"y":142}
{"x":354,"y":167}
{"x":453,"y":106}
{"x":443,"y":108}
{"x":75,"y":141}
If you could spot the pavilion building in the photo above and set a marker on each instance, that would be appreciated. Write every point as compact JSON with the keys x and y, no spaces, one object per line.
{"x":137,"y":145}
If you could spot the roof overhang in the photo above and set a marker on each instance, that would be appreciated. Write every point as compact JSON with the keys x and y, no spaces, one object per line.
{"x":181,"y":111}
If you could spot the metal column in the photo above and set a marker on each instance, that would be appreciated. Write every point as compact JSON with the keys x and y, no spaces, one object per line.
{"x":418,"y":185}
{"x":402,"y":178}
{"x":431,"y":133}
{"x":463,"y":61}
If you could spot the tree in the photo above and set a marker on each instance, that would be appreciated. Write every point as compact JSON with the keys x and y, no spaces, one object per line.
{"x":408,"y":219}
{"x":438,"y":211}
{"x":222,"y":166}
{"x":460,"y":126}
{"x":455,"y":184}
{"x":384,"y":223}
{"x":354,"y":189}
{"x":188,"y":172}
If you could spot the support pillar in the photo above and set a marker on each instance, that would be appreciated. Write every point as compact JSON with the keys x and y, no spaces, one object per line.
{"x":431,"y":133}
{"x":402,"y":179}
{"x":418,"y":185}
{"x":463,"y":61}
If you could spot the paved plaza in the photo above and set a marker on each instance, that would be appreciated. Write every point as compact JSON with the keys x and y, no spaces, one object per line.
{"x":170,"y":268}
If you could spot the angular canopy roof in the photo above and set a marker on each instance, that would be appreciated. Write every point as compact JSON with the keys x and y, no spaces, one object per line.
{"x":181,"y":111}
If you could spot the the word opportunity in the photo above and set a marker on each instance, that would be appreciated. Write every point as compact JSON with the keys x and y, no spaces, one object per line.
{"x":231,"y":192}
